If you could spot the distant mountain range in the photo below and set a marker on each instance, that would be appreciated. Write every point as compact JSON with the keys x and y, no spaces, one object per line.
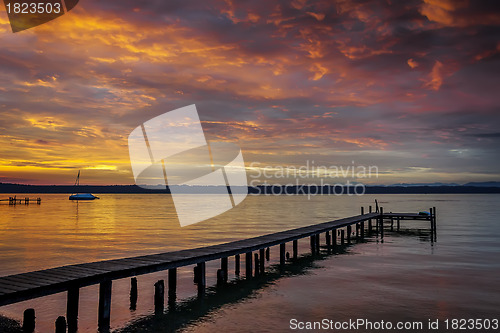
{"x":479,"y":184}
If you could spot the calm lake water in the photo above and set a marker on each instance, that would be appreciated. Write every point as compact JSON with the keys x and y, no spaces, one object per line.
{"x":405,"y":278}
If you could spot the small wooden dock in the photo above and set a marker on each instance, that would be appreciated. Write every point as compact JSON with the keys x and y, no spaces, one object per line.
{"x":15,"y":200}
{"x":338,"y":233}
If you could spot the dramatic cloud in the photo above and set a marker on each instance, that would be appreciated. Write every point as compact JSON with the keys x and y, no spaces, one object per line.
{"x":409,"y":86}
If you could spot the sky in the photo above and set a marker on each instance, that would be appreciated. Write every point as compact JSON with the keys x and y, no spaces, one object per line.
{"x":406,"y":86}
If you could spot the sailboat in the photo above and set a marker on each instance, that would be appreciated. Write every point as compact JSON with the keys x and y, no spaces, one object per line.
{"x":81,"y":196}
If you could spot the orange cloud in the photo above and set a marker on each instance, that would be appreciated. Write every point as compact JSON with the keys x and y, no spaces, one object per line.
{"x":435,"y":77}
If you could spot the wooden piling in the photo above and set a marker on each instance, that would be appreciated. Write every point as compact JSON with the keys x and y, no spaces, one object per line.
{"x":268,"y":254}
{"x":317,"y":244}
{"x":357,"y":231}
{"x":237,"y":264}
{"x":370,"y":227}
{"x":61,"y":324}
{"x":248,"y":265}
{"x":262,"y":258}
{"x":72,"y":301}
{"x":342,"y":236}
{"x":312,"y":240}
{"x":133,"y":294}
{"x":363,"y":230}
{"x":334,"y":240}
{"x":282,"y":254}
{"x":257,"y":265}
{"x":224,"y":268}
{"x":202,"y":282}
{"x":295,"y":249}
{"x":172,"y":285}
{"x":159,"y":297}
{"x":29,"y":320}
{"x":104,"y":312}
{"x":381,"y":222}
{"x":349,"y":231}
{"x":328,"y":241}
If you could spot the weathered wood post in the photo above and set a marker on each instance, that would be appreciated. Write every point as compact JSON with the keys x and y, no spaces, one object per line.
{"x":295,"y":249}
{"x":370,"y":227}
{"x":224,"y":268}
{"x":61,"y":324}
{"x":172,"y":286}
{"x":268,"y":254}
{"x":201,"y":281}
{"x":257,"y":266}
{"x":282,"y":254}
{"x":362,"y":224}
{"x":382,"y":222}
{"x":237,"y":260}
{"x":312,"y":240}
{"x":328,"y":241}
{"x":29,"y":320}
{"x":334,"y":240}
{"x":349,"y":231}
{"x":248,"y":265}
{"x":262,"y":255}
{"x":133,"y":295}
{"x":317,"y":243}
{"x":159,"y":297}
{"x":342,"y":236}
{"x":104,"y":315}
{"x":72,"y":301}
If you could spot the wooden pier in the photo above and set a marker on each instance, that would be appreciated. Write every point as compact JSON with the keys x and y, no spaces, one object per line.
{"x":26,"y":201}
{"x":26,"y":286}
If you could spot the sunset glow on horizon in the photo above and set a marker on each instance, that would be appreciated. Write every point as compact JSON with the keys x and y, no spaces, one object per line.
{"x":408,"y":86}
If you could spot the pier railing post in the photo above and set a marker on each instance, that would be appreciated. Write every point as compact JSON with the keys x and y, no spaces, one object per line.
{"x":104,"y":314}
{"x":73,"y":297}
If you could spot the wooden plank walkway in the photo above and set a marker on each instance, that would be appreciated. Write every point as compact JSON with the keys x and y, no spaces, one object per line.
{"x":19,"y":287}
{"x":26,"y":286}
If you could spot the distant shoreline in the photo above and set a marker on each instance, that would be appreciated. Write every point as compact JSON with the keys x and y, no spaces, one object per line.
{"x":134,"y":189}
